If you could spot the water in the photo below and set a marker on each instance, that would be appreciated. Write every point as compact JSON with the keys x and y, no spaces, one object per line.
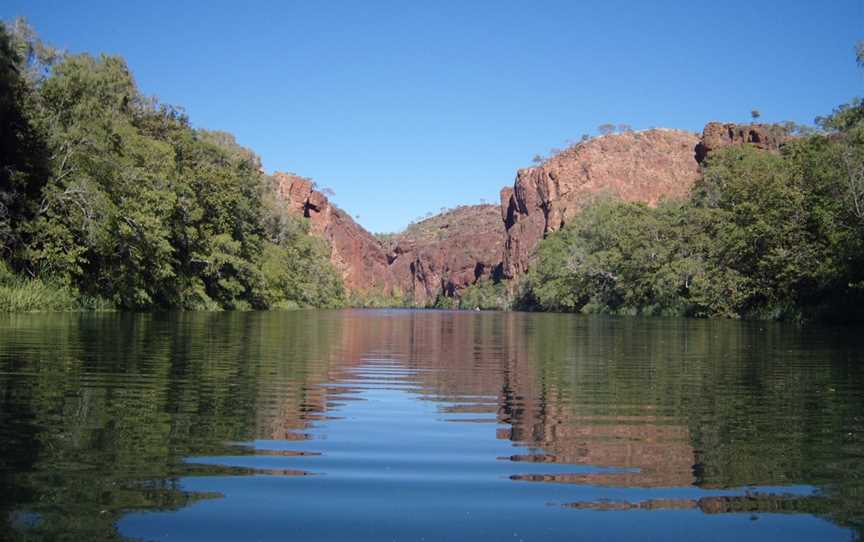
{"x":425,"y":425}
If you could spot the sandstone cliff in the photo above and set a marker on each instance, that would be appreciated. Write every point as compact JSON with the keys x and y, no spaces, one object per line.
{"x":448,"y":252}
{"x":643,"y":166}
{"x":441,"y":255}
{"x":634,"y":166}
{"x":354,"y":251}
{"x":717,"y":135}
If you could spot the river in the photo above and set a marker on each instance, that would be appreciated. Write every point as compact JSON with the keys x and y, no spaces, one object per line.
{"x":428,"y":426}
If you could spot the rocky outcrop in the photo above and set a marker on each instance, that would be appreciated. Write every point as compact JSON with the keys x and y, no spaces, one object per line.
{"x":634,"y":166}
{"x":446,"y":253}
{"x":718,"y":135}
{"x":642,"y":166}
{"x":354,"y":251}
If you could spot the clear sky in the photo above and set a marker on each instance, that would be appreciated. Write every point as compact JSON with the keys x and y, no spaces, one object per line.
{"x":406,"y":107}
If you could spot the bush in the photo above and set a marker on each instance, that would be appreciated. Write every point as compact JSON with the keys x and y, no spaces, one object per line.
{"x":485,"y":295}
{"x":376,"y":299}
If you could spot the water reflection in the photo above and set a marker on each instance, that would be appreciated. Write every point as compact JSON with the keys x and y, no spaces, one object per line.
{"x":400,"y":424}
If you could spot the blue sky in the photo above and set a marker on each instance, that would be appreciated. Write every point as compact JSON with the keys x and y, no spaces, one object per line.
{"x":406,"y":107}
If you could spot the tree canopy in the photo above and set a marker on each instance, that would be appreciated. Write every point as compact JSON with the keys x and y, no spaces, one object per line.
{"x":116,"y":196}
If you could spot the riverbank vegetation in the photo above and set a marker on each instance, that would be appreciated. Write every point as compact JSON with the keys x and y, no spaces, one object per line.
{"x":111,"y":199}
{"x":109,"y":195}
{"x":762,"y":235}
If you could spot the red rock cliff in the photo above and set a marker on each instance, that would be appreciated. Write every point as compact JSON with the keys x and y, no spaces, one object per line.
{"x":441,"y":255}
{"x":446,"y":253}
{"x":354,"y":251}
{"x":717,"y":135}
{"x":634,"y":166}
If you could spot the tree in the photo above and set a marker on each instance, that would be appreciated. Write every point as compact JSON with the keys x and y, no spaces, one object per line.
{"x":606,"y":129}
{"x":113,"y":195}
{"x":24,"y":154}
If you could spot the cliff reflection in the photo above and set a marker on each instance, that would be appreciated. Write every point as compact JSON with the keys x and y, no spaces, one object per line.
{"x":562,"y":404}
{"x":675,"y":403}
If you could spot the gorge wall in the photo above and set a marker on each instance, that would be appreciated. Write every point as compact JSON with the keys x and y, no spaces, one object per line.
{"x":441,"y":255}
{"x":645,"y":166}
{"x":355,"y":252}
{"x":446,"y":253}
{"x":634,"y":166}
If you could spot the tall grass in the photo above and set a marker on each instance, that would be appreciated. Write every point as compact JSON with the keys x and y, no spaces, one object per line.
{"x":30,"y":295}
{"x":23,"y":294}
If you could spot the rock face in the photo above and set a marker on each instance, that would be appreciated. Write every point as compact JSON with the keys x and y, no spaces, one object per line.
{"x":634,"y":166}
{"x":717,"y":135}
{"x":446,"y":253}
{"x":441,"y":255}
{"x":354,"y":251}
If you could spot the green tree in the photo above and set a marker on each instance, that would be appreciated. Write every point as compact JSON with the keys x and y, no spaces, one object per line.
{"x":111,"y":193}
{"x":24,"y":155}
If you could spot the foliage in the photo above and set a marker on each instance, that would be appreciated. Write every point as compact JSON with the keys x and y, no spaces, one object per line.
{"x":376,"y":299}
{"x":299,"y":274}
{"x":485,"y":295}
{"x":20,"y":294}
{"x":615,"y":257}
{"x":109,"y":193}
{"x":762,"y":235}
{"x":23,"y":153}
{"x":443,"y":301}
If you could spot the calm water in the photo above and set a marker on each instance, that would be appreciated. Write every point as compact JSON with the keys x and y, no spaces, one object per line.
{"x":402,"y":425}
